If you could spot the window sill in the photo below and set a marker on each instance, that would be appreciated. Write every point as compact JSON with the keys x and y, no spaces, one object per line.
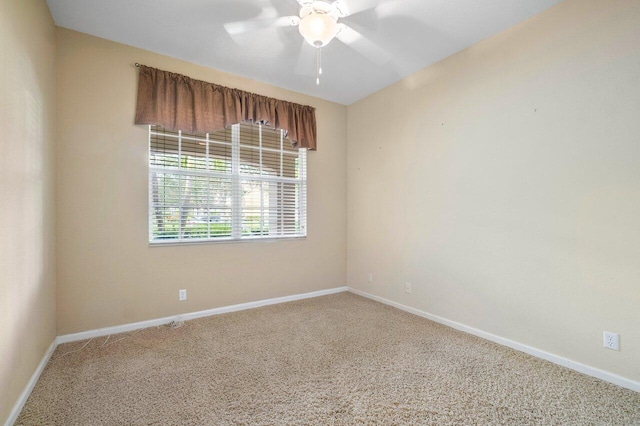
{"x":224,"y":241}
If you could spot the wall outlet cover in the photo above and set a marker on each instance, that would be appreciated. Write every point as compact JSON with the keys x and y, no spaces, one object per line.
{"x":611,"y":341}
{"x":182,"y":295}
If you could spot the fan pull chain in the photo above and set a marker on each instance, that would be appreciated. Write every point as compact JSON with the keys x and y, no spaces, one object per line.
{"x":318,"y":65}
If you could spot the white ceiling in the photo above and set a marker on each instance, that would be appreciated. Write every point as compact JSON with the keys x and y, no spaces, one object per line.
{"x":415,"y":33}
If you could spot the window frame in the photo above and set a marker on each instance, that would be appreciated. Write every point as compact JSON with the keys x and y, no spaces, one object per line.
{"x":237,"y":178}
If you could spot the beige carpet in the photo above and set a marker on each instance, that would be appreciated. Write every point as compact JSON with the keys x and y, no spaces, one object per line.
{"x":334,"y":360}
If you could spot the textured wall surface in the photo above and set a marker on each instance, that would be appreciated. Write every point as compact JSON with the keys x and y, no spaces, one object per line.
{"x":107,"y":273}
{"x":27,"y":260}
{"x":504,"y":184}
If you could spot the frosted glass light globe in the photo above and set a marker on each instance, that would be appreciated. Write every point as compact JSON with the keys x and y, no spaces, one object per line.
{"x":318,"y":29}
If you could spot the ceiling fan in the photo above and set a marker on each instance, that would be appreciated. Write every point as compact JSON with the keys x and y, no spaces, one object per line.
{"x":318,"y":24}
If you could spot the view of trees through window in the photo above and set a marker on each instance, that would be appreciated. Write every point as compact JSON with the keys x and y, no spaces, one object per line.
{"x":246,"y":181}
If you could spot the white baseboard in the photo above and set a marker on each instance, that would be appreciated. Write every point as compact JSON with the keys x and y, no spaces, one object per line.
{"x":192,"y":315}
{"x":22,"y":399}
{"x":573,"y":365}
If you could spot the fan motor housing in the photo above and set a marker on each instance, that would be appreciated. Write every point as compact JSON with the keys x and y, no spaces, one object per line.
{"x":319,"y":6}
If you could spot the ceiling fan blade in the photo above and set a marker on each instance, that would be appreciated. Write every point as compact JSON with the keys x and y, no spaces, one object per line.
{"x":234,"y":28}
{"x":351,"y":7}
{"x":306,"y":64}
{"x":363,"y":45}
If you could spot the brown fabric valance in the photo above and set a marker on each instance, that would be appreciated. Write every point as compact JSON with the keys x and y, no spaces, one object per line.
{"x":177,"y":102}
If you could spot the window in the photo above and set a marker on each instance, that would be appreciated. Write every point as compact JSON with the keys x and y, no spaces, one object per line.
{"x":244,"y":182}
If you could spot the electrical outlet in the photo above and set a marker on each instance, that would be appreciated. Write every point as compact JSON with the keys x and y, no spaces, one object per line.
{"x":370,"y":277}
{"x":182,"y":295}
{"x":611,"y":341}
{"x":407,"y":287}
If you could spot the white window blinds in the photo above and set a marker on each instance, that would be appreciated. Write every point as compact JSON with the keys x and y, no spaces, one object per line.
{"x":245,"y":182}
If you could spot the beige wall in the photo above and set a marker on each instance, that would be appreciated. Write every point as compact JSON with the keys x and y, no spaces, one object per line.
{"x":107,"y":273}
{"x":27,"y":114}
{"x":504,"y":184}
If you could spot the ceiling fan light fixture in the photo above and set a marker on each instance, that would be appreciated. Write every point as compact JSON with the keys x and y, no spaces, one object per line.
{"x":318,"y":28}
